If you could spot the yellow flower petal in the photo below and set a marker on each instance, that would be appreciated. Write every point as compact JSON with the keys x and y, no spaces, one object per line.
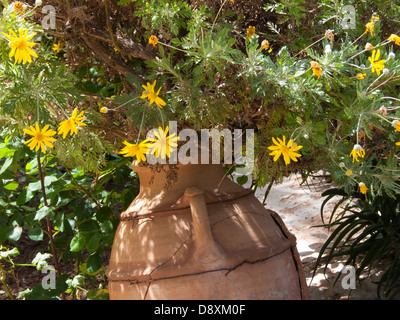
{"x":20,"y":45}
{"x":41,"y":137}
{"x":287,"y":150}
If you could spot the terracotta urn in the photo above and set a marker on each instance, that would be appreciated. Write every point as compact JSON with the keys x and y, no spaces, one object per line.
{"x":193,"y":234}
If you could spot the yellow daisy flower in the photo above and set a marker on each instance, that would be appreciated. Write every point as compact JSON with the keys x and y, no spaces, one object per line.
{"x":363,"y":188}
{"x":349,"y":173}
{"x":153,"y":40}
{"x":395,"y":38}
{"x":357,"y":152}
{"x":19,"y":7}
{"x":316,"y":69}
{"x":41,"y":137}
{"x":71,"y":124}
{"x":103,"y":110}
{"x":151,"y":95}
{"x":361,"y":76}
{"x":135,"y":150}
{"x":396,"y":124}
{"x":250,"y":32}
{"x":369,"y":27}
{"x":287,"y":150}
{"x":376,"y":66}
{"x":163,"y":145}
{"x":20,"y":45}
{"x":57,"y":47}
{"x":265,"y":44}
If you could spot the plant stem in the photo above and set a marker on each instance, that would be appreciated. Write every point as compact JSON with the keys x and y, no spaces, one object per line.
{"x":162,"y":118}
{"x":48,"y":221}
{"x":216,"y":17}
{"x":109,"y":27}
{"x":271,"y":183}
{"x":309,"y":46}
{"x":355,"y":41}
{"x":3,"y":280}
{"x":140,"y":128}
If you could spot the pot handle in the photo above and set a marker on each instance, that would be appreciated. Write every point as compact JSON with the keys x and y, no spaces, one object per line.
{"x":206,"y":249}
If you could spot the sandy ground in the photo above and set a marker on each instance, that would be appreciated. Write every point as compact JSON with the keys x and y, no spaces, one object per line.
{"x":299,"y":207}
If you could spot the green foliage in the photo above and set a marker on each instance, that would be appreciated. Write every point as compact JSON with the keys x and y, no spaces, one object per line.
{"x":83,"y":210}
{"x":168,"y":17}
{"x":366,"y":230}
{"x":290,"y":10}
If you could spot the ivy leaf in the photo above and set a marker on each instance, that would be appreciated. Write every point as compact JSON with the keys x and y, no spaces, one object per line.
{"x":40,"y":260}
{"x":13,"y":252}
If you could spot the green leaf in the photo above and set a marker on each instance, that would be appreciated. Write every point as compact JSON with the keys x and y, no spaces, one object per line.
{"x":106,"y":226}
{"x":78,"y":280}
{"x":42,"y":212}
{"x":93,"y":242}
{"x":15,"y":234}
{"x":9,"y":253}
{"x":38,"y":293}
{"x":40,"y":260}
{"x":242,"y":180}
{"x":59,"y":221}
{"x":77,"y":242}
{"x":88,"y":226}
{"x":24,"y":196}
{"x":36,"y":234}
{"x":93,"y":264}
{"x":103,"y":213}
{"x":4,"y":230}
{"x":6,"y":152}
{"x":6,"y":164}
{"x":11,"y":186}
{"x":61,"y":241}
{"x":34,"y":186}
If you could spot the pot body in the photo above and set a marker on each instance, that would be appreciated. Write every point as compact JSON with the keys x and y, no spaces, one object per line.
{"x":203,"y":237}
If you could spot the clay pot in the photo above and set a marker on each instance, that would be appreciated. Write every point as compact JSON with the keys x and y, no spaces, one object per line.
{"x":198,"y":235}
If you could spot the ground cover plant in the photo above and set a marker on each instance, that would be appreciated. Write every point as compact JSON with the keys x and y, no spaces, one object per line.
{"x":82,"y":84}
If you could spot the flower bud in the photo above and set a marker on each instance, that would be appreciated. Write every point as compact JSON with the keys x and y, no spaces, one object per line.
{"x":328,"y":49}
{"x":383,"y":110}
{"x":369,"y":46}
{"x":329,"y":35}
{"x":265,"y":44}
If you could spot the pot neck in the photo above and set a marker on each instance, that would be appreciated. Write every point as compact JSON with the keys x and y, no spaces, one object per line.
{"x":163,"y":186}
